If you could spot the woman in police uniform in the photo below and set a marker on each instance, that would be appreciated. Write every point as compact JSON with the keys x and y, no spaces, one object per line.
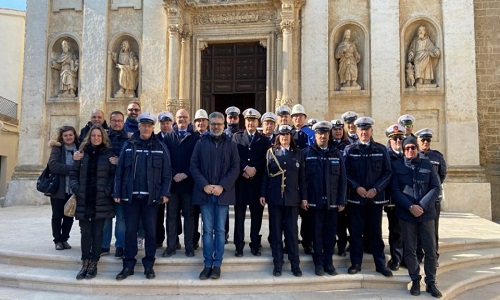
{"x":284,"y":189}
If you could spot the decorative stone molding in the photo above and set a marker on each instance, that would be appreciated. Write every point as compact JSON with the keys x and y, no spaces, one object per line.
{"x":116,"y":4}
{"x":286,"y":25}
{"x":234,"y":17}
{"x":58,"y":5}
{"x":202,"y":46}
{"x":263,"y":43}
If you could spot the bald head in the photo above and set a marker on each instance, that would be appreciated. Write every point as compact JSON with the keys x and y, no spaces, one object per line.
{"x":97,"y":117}
{"x":182,"y":118}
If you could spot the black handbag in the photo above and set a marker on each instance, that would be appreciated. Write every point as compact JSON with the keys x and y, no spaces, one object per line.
{"x":47,"y":183}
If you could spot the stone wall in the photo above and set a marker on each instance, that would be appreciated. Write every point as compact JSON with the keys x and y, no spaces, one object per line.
{"x":487,"y":21}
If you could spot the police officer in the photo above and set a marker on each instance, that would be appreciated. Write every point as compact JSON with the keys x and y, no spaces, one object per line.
{"x":142,"y":181}
{"x":326,"y":191}
{"x":166,"y":122}
{"x":284,"y":189}
{"x":201,"y":122}
{"x":252,"y":147}
{"x":349,"y":117}
{"x":407,"y":121}
{"x":395,"y":134}
{"x":415,"y":188}
{"x":233,"y":121}
{"x":311,"y":122}
{"x":339,"y":136}
{"x":437,"y":159}
{"x":269,"y":121}
{"x":368,"y":174}
{"x":299,"y":122}
{"x":300,"y":138}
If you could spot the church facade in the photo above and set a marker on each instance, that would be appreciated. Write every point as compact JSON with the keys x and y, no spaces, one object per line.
{"x":378,"y":58}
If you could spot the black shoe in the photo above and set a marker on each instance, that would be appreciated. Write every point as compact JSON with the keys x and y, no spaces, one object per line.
{"x":354,"y":269}
{"x":384,"y":271}
{"x":393,"y":265}
{"x":215,"y":273}
{"x":92,"y":270}
{"x":119,"y":252}
{"x":308,"y":250}
{"x":168,"y":252}
{"x":330,"y":270}
{"x":318,"y":270}
{"x":256,"y":252}
{"x":59,"y":246}
{"x":433,"y":290}
{"x":227,"y":239}
{"x":238,"y":253}
{"x":104,"y":251}
{"x":178,"y":246}
{"x":189,"y":253}
{"x":125,"y":272}
{"x":83,"y":271}
{"x":277,"y":271}
{"x":415,"y":287}
{"x":66,"y":245}
{"x":297,"y":272}
{"x":205,"y":274}
{"x":150,"y":273}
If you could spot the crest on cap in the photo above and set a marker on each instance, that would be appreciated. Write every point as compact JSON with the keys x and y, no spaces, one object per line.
{"x":337,"y":123}
{"x":200,"y":114}
{"x":425,"y":133}
{"x":285,"y":129}
{"x":146,"y":117}
{"x":394,"y":129}
{"x":283,"y":110}
{"x":269,"y":116}
{"x":232,"y":111}
{"x":311,"y":122}
{"x":364,"y":122}
{"x":349,"y":116}
{"x":298,"y":109}
{"x":165,"y":116}
{"x":251,"y":113}
{"x":322,"y":126}
{"x":406,"y":120}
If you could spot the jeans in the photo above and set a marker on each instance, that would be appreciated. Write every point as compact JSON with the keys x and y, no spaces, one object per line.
{"x":119,"y":229}
{"x":91,"y":238}
{"x":213,"y":216}
{"x":61,"y":225}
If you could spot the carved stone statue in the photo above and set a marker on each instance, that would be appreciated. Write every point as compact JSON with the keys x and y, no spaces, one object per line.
{"x":128,"y":65}
{"x":423,"y":55}
{"x":67,"y":64}
{"x":348,"y":57}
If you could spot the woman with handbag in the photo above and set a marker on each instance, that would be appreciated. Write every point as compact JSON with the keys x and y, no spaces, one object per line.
{"x":92,"y":180}
{"x":61,"y":163}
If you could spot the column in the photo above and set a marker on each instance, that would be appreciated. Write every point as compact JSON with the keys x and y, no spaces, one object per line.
{"x":385,"y":64}
{"x":185,"y":74}
{"x":22,"y":187}
{"x":314,"y":75}
{"x":173,"y":68}
{"x":286,"y":58}
{"x":279,"y":69}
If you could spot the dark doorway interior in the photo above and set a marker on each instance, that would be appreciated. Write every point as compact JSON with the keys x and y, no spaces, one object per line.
{"x":242,"y":101}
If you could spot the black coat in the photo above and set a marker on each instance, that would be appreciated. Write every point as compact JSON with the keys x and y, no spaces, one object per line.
{"x":369,"y":168}
{"x":253,"y":155}
{"x":326,"y":177}
{"x":57,"y":165}
{"x":295,"y":178}
{"x":93,"y":186}
{"x":217,"y":164}
{"x":415,"y":182}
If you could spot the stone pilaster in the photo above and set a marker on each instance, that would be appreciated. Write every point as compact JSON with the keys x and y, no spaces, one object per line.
{"x":385,"y":64}
{"x":185,"y":74}
{"x":286,"y":62}
{"x":314,"y":47}
{"x":94,"y":58}
{"x":32,"y":130}
{"x":173,"y":67}
{"x":279,"y":67}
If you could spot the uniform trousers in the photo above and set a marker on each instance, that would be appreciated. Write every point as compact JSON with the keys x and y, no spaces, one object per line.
{"x":256,"y":211}
{"x":425,"y":230}
{"x":342,"y":227}
{"x":395,"y":240}
{"x":371,"y":215}
{"x":135,"y":210}
{"x":305,"y":228}
{"x":185,"y":203}
{"x":91,"y":238}
{"x":324,"y":225}
{"x":283,"y":219}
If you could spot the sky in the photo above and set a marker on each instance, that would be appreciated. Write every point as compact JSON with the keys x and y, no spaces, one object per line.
{"x":13,"y":4}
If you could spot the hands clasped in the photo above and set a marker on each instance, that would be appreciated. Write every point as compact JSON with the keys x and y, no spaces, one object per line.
{"x":213,"y":189}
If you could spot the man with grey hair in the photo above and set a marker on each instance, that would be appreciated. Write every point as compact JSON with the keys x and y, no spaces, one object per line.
{"x":96,"y":118}
{"x":214,"y":168}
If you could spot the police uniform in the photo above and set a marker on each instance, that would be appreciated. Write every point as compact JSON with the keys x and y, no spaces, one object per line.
{"x":299,"y":109}
{"x":235,"y":127}
{"x":350,"y":117}
{"x":300,"y":137}
{"x":252,"y":151}
{"x":395,"y":239}
{"x":326,"y":191}
{"x":407,"y":121}
{"x":269,"y":116}
{"x":367,"y":166}
{"x":439,"y":164}
{"x":283,"y":188}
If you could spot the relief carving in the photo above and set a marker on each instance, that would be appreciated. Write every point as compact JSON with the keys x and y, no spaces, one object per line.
{"x":349,"y":57}
{"x":127,"y":64}
{"x":423,"y":56}
{"x":67,"y":65}
{"x":234,"y":17}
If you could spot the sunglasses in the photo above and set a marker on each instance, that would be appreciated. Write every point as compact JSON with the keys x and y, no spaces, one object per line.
{"x":395,"y":138}
{"x":133,"y":109}
{"x":233,"y":117}
{"x":425,"y":140}
{"x":412,"y":148}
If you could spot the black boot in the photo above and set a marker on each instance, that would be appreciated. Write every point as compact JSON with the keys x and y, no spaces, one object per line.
{"x":83,"y":271}
{"x":92,"y":271}
{"x":415,"y":286}
{"x":433,"y":290}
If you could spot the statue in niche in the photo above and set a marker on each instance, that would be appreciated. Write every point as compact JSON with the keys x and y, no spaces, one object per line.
{"x":128,"y":70}
{"x":422,"y":55}
{"x":348,"y":57}
{"x":67,"y":64}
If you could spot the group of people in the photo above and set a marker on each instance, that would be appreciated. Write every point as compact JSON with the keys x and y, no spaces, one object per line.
{"x":330,"y":173}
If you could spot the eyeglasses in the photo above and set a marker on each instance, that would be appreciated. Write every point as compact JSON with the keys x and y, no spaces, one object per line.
{"x":134,"y":109}
{"x":117,"y":121}
{"x":412,"y":148}
{"x":216,"y":124}
{"x":428,"y":140}
{"x":408,"y":125}
{"x":395,"y":138}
